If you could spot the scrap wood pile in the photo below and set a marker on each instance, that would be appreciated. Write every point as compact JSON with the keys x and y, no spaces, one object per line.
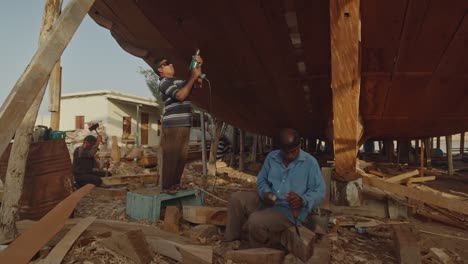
{"x":448,"y":206}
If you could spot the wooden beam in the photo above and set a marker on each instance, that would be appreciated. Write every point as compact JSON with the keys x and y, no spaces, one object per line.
{"x":172,"y":219}
{"x":37,"y":73}
{"x":462,"y":144}
{"x":241,"y":150}
{"x":205,"y":215}
{"x":126,"y":179}
{"x":20,"y":149}
{"x":423,"y":196}
{"x":406,"y":244}
{"x":132,"y":245}
{"x":255,"y":256}
{"x":55,"y":94}
{"x":60,"y":250}
{"x":402,"y":177}
{"x":448,"y":142}
{"x":421,"y":179}
{"x":33,"y":239}
{"x":345,"y":40}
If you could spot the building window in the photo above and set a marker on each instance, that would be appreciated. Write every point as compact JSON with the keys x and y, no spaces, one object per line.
{"x":79,"y":122}
{"x":126,"y":126}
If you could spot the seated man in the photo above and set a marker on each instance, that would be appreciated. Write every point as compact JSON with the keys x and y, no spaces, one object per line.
{"x":289,"y":179}
{"x":84,"y":164}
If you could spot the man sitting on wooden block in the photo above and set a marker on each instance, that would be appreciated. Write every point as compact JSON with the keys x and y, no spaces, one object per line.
{"x":289,"y":180}
{"x":84,"y":164}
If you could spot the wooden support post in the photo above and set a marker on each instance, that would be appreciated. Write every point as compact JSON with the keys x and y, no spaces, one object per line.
{"x":448,"y":142}
{"x":406,"y":244}
{"x":421,"y":170}
{"x":23,"y":137}
{"x":254,"y":148}
{"x":428,"y":144}
{"x":241,"y":150}
{"x":55,"y":92}
{"x":214,"y":147}
{"x":462,"y":144}
{"x":234,"y":147}
{"x":438,"y":143}
{"x":345,"y":34}
{"x":389,"y":149}
{"x":37,"y":73}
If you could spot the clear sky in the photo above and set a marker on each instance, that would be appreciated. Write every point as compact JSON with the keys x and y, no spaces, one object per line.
{"x":92,"y":61}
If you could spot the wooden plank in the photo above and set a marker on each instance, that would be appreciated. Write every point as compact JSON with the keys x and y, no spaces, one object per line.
{"x":441,"y":255}
{"x":37,"y":73}
{"x":346,"y":82}
{"x":115,"y":154}
{"x":132,"y":245}
{"x":55,"y":93}
{"x":60,"y":250}
{"x":406,"y":245}
{"x":429,"y":198}
{"x":378,"y":173}
{"x":126,"y":179}
{"x":402,"y":177}
{"x":171,"y":219}
{"x":205,"y":215}
{"x":31,"y":241}
{"x":255,"y":256}
{"x":421,"y":179}
{"x":182,"y":253}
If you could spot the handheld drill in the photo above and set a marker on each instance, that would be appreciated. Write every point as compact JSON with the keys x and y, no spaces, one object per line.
{"x":194,"y":64}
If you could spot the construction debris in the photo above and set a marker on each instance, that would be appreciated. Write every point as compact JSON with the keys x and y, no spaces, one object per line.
{"x":300,"y":246}
{"x":132,"y":245}
{"x":205,"y":215}
{"x":171,"y":219}
{"x":255,"y":256}
{"x":406,"y":244}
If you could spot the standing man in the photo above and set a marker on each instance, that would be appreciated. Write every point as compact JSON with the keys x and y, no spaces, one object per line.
{"x":176,"y":122}
{"x":289,"y":179}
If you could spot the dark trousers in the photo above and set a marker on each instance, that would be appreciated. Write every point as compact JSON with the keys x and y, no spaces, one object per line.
{"x":172,"y":155}
{"x":264,"y":225}
{"x":92,"y":178}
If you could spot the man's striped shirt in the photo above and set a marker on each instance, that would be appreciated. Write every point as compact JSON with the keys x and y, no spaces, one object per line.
{"x":176,"y":114}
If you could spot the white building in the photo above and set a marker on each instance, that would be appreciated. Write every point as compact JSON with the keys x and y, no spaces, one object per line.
{"x":121,"y":115}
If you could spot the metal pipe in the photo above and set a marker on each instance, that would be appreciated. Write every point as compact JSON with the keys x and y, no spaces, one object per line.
{"x":202,"y":120}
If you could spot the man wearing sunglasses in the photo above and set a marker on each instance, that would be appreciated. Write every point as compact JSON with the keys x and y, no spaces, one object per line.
{"x":290,"y":179}
{"x":176,"y":122}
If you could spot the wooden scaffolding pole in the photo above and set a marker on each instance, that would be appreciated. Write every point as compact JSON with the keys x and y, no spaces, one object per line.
{"x":448,"y":142}
{"x":23,"y":137}
{"x":37,"y":73}
{"x":345,"y":82}
{"x":55,"y":92}
{"x":462,"y":144}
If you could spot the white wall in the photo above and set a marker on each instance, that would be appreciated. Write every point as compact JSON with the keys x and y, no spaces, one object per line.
{"x":43,"y":120}
{"x":93,"y":108}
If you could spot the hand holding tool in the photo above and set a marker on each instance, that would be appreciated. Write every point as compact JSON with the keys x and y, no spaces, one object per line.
{"x":194,"y":64}
{"x":94,"y":127}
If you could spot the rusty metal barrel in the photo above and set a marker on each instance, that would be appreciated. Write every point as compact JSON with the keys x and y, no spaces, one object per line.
{"x":48,"y":178}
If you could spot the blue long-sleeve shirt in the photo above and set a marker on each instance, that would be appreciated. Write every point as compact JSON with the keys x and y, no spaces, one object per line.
{"x":302,"y":176}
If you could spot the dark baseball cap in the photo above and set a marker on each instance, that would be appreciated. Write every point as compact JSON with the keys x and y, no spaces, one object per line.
{"x":288,"y":139}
